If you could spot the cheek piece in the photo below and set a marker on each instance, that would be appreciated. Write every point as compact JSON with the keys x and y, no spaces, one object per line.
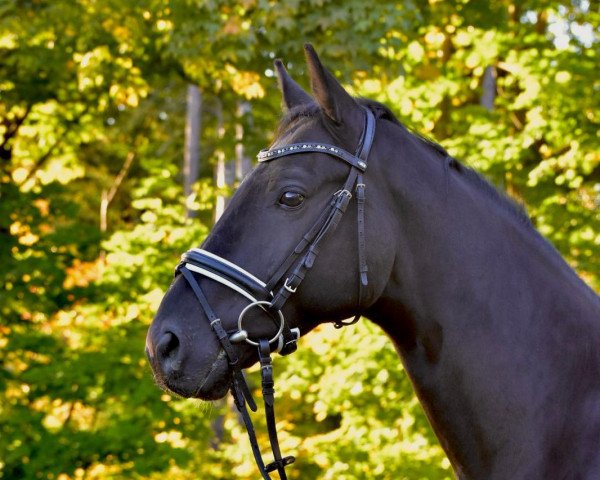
{"x":271,"y":296}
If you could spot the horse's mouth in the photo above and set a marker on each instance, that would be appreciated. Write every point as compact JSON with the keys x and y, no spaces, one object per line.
{"x":213,"y":386}
{"x":218,"y":380}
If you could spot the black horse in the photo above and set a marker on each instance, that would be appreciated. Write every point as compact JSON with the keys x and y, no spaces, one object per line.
{"x":499,"y":336}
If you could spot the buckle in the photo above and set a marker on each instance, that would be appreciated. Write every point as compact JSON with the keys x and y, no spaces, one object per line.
{"x":287,"y":286}
{"x":276,"y":465}
{"x":290,"y":344}
{"x":341,"y":192}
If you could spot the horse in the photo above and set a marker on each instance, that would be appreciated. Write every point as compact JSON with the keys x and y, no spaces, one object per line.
{"x":499,"y":336}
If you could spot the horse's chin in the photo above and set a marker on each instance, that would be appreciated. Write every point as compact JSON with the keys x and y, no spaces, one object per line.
{"x":216,"y":384}
{"x":213,"y":391}
{"x":212,"y":386}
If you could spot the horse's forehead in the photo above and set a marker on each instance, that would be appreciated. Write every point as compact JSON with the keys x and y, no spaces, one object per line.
{"x":303,"y":129}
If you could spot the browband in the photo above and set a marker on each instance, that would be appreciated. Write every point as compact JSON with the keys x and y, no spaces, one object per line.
{"x":268,"y":155}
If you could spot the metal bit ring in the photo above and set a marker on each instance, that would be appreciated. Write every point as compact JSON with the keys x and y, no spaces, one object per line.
{"x":260,"y":304}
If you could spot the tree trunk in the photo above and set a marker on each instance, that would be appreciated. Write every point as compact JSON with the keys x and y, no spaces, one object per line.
{"x":489,"y":88}
{"x":243,"y":164}
{"x":220,"y":169}
{"x":191,"y":154}
{"x":227,"y":173}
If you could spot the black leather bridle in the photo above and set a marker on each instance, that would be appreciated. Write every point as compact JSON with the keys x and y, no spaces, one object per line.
{"x":284,"y":283}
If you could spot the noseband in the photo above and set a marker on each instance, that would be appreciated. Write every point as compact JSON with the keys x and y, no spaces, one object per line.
{"x":271,"y":296}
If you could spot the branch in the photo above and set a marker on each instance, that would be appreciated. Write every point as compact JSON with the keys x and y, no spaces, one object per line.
{"x":108,"y":195}
{"x":516,"y":121}
{"x":120,"y":176}
{"x":12,"y":129}
{"x":40,"y":161}
{"x":69,"y":414}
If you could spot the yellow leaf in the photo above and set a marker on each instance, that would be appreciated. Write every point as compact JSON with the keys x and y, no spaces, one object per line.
{"x":562,"y":77}
{"x":416,"y":51}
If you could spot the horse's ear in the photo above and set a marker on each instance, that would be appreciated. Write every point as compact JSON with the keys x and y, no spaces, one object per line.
{"x":293,"y":94}
{"x":333,"y":99}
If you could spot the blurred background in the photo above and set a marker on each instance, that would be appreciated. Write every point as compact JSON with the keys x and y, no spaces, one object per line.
{"x":124,"y":128}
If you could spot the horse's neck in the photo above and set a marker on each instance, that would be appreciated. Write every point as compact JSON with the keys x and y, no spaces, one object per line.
{"x":480,"y":309}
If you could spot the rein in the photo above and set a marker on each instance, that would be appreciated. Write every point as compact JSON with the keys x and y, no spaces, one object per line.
{"x":288,"y":276}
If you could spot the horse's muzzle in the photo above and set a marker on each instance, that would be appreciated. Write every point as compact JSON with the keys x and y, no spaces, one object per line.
{"x":176,"y":370}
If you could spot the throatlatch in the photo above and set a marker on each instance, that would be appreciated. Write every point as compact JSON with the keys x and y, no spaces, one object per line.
{"x":285,"y":282}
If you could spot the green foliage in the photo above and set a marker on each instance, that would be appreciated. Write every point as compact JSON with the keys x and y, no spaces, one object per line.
{"x":86,"y":86}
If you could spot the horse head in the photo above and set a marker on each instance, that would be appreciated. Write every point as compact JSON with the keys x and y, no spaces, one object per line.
{"x":286,"y":215}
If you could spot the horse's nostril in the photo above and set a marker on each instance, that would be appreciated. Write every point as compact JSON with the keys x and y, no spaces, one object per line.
{"x":168,"y":346}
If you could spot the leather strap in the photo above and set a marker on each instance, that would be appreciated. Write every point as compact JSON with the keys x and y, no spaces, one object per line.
{"x":310,"y":242}
{"x":241,"y":392}
{"x":364,"y":148}
{"x":306,"y":240}
{"x":363,"y":153}
{"x":221,"y":334}
{"x":268,"y":391}
{"x":352,"y":160}
{"x":306,"y":262}
{"x":233,"y":276}
{"x":241,"y":406}
{"x":232,"y":273}
{"x":362,"y":260}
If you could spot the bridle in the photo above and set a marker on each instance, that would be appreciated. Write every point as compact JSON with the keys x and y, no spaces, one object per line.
{"x":287,"y":278}
{"x":271,"y":296}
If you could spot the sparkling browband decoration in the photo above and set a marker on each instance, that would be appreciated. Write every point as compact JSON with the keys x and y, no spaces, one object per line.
{"x":270,"y":153}
{"x":339,"y":152}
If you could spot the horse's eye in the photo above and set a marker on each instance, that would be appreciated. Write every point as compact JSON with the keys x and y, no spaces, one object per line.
{"x":291,"y":199}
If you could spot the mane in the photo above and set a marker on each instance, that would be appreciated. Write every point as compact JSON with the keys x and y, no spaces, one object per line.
{"x":380,"y":111}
